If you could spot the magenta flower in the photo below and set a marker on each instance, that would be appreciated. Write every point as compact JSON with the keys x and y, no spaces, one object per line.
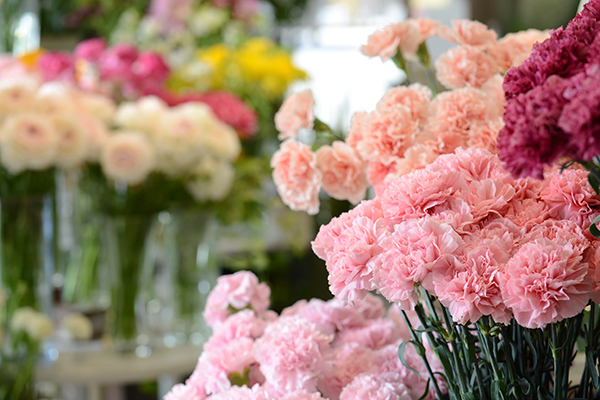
{"x":57,"y":66}
{"x":90,"y":50}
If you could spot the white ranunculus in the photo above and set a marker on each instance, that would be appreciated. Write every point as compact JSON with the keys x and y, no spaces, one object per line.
{"x":55,"y":98}
{"x":127,"y":157}
{"x":223,"y":142}
{"x":98,"y":105}
{"x":97,"y":134}
{"x":72,"y":140}
{"x":27,"y":141}
{"x":143,"y":115}
{"x":17,"y":95}
{"x":212,"y":180}
{"x":78,"y":326}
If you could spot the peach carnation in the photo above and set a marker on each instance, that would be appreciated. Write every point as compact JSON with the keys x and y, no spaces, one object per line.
{"x":297,"y":177}
{"x":378,"y":172}
{"x":385,"y":42}
{"x":295,"y":113}
{"x":127,"y":157}
{"x":426,"y":26}
{"x":465,"y":66}
{"x":545,"y":282}
{"x":416,"y":97}
{"x":343,"y":172}
{"x":468,"y":32}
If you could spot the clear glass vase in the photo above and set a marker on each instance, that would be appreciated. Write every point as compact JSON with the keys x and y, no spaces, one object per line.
{"x":192,"y":271}
{"x":26,"y":270}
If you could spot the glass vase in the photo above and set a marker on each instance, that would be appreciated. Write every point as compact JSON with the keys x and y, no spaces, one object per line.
{"x":124,"y":244}
{"x":192,"y":273}
{"x":26,"y":270}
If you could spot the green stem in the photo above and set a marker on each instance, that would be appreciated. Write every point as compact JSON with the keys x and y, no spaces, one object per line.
{"x":558,"y":366}
{"x":401,"y":63}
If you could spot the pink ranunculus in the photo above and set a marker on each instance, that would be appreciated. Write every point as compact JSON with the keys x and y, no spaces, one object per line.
{"x":151,"y":71}
{"x":184,"y":392}
{"x":237,"y":291}
{"x":385,"y":42}
{"x":358,"y":125}
{"x":378,"y":172}
{"x":290,"y":354}
{"x":90,"y":50}
{"x":374,"y":335}
{"x":348,"y":361}
{"x":57,"y":66}
{"x":295,"y":113}
{"x":297,"y":177}
{"x":344,"y":176}
{"x":416,"y":97}
{"x":545,"y":282}
{"x":377,"y":387}
{"x":241,"y":324}
{"x":116,"y":63}
{"x":465,"y":66}
{"x":467,"y":32}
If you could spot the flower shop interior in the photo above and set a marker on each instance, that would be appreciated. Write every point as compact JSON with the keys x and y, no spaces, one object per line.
{"x":299,"y":199}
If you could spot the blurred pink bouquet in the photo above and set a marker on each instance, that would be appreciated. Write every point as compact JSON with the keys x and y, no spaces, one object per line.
{"x":412,"y":125}
{"x":314,"y":350}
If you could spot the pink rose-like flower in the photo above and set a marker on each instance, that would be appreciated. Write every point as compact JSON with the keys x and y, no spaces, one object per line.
{"x":545,"y":282}
{"x":343,"y":172}
{"x":56,"y":66}
{"x":416,"y":97}
{"x":295,"y":113}
{"x":90,"y":50}
{"x":385,"y":42}
{"x":290,"y":354}
{"x":467,"y":32}
{"x":465,"y":66}
{"x":184,"y":392}
{"x":297,"y":177}
{"x":376,"y":387}
{"x":116,"y":63}
{"x":238,"y":291}
{"x":150,"y":71}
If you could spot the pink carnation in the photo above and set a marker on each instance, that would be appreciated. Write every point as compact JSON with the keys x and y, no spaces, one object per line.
{"x":416,"y":156}
{"x":545,"y":282}
{"x":296,"y":175}
{"x":241,"y":324}
{"x":302,"y":395}
{"x":409,"y":256}
{"x":343,"y":172}
{"x":494,"y":94}
{"x":378,"y":172}
{"x":474,"y":164}
{"x":238,"y":393}
{"x":371,"y":307}
{"x":499,"y":231}
{"x":592,"y":257}
{"x":527,"y":212}
{"x":237,"y":291}
{"x":465,"y":66}
{"x":485,"y":136}
{"x":376,"y":387}
{"x":468,"y":32}
{"x":416,"y":97}
{"x":184,"y":392}
{"x":374,"y":335}
{"x":348,"y":361}
{"x":426,"y":26}
{"x":359,"y":123}
{"x":290,"y":354}
{"x":385,"y":42}
{"x":324,"y":243}
{"x":295,"y":113}
{"x":487,"y":196}
{"x":563,"y":232}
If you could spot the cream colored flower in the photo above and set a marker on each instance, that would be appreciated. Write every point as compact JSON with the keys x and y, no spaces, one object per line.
{"x":212,"y":180}
{"x":143,"y":115}
{"x":78,"y":326}
{"x":35,"y":324}
{"x":127,"y":157}
{"x":98,"y":105}
{"x":16,"y":95}
{"x":96,"y":132}
{"x":72,"y":140}
{"x":27,"y":141}
{"x":55,"y":98}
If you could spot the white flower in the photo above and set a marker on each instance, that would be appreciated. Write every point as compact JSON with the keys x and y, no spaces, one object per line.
{"x":98,"y":105}
{"x":27,"y":142}
{"x":143,"y":115}
{"x":72,"y":140}
{"x":127,"y":157}
{"x":97,"y":134}
{"x":78,"y":326}
{"x":55,"y":98}
{"x":212,"y":180}
{"x":35,"y":324}
{"x":16,"y":95}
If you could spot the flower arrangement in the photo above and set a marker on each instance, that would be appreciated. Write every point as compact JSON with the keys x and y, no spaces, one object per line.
{"x":314,"y":350}
{"x":410,"y":127}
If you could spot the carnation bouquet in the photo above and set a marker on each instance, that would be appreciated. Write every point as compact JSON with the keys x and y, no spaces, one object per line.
{"x":500,"y":271}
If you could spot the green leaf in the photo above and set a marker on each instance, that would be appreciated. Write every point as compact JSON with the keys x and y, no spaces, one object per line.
{"x":403,"y":360}
{"x":426,"y":393}
{"x":594,"y":181}
{"x":496,"y":390}
{"x":593,"y":229}
{"x":591,"y":367}
{"x":469,"y":396}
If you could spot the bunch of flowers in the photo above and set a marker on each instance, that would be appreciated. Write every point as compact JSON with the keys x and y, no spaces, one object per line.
{"x":490,"y":264}
{"x":314,"y":350}
{"x":553,"y":103}
{"x":411,"y":125}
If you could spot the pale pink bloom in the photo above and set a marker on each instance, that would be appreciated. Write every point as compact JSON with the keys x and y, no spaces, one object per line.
{"x":389,"y":133}
{"x":316,"y":311}
{"x":514,"y":48}
{"x":385,"y":42}
{"x":454,"y":212}
{"x":244,"y":393}
{"x":376,"y":387}
{"x":410,"y":255}
{"x":244,"y":323}
{"x":465,"y":66}
{"x":17,"y":95}
{"x":416,"y":97}
{"x":371,"y":307}
{"x":527,"y":213}
{"x":570,"y":196}
{"x":360,"y":121}
{"x":414,"y":194}
{"x":237,"y":291}
{"x":472,"y":289}
{"x":295,"y":113}
{"x":378,"y":172}
{"x":545,"y":282}
{"x":500,"y":232}
{"x":11,"y":68}
{"x":343,"y":172}
{"x":297,"y":177}
{"x":426,"y":26}
{"x":97,"y":134}
{"x":395,"y":315}
{"x":73,"y":143}
{"x":374,"y":335}
{"x":495,"y":96}
{"x":592,"y":257}
{"x":468,"y":32}
{"x":527,"y":188}
{"x":474,"y":164}
{"x":323,"y":245}
{"x":348,"y":361}
{"x":485,"y":136}
{"x":290,"y":354}
{"x":90,"y":50}
{"x":563,"y":232}
{"x":302,"y":395}
{"x":487,"y":196}
{"x":184,"y":392}
{"x":127,"y":157}
{"x":416,"y":156}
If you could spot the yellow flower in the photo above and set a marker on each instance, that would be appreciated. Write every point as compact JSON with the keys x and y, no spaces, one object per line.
{"x":216,"y":57}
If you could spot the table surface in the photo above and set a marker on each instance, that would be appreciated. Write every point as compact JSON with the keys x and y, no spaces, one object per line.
{"x":110,"y":368}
